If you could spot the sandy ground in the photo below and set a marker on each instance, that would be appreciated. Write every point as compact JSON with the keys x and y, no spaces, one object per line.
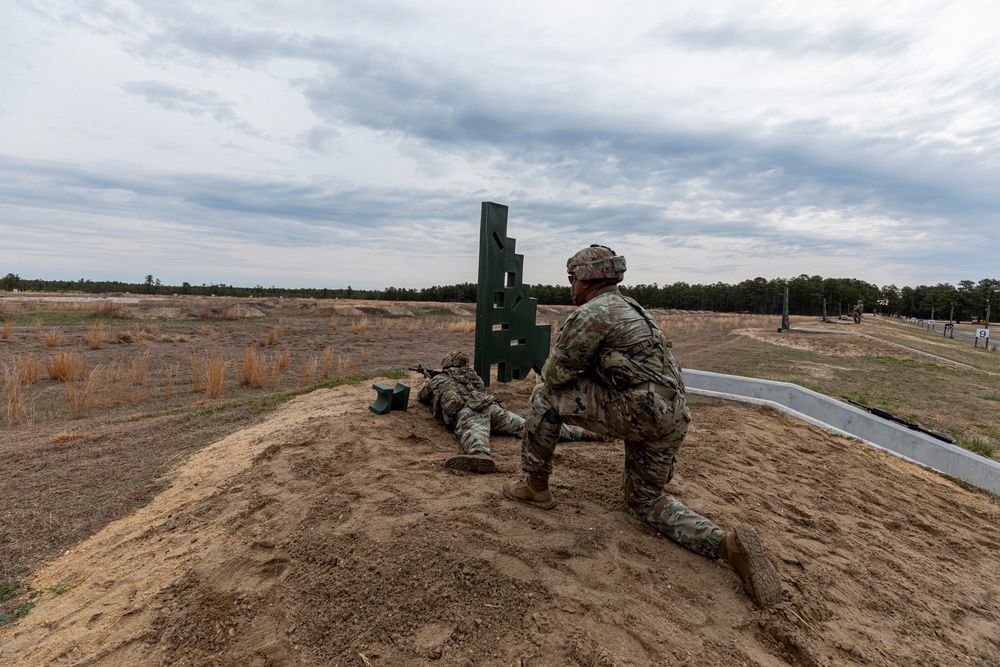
{"x":328,"y":535}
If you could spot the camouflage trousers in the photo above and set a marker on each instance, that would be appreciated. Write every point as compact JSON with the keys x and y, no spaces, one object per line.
{"x":653,"y":429}
{"x":473,"y":427}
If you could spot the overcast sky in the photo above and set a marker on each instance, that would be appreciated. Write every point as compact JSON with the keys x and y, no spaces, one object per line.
{"x":326,"y":143}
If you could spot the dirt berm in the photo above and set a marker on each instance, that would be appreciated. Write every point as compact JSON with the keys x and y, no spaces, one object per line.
{"x":332,"y":536}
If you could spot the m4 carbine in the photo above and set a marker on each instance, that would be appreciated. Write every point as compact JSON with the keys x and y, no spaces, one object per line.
{"x":425,"y":371}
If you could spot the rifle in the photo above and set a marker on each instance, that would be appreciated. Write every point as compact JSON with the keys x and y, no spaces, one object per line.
{"x":902,"y":422}
{"x":425,"y":371}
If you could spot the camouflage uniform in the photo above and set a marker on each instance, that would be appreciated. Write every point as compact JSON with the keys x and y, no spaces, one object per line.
{"x":457,"y":395}
{"x":612,"y":372}
{"x":859,"y":309}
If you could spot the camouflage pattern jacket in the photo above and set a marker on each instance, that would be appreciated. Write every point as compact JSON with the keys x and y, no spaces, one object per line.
{"x":613,"y":340}
{"x":453,"y":389}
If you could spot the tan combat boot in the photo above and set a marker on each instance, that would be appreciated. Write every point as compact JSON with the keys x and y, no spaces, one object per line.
{"x":481,"y":462}
{"x":530,"y":490}
{"x":742,"y":550}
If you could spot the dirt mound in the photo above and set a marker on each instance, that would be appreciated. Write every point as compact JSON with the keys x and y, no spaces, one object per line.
{"x":332,"y":536}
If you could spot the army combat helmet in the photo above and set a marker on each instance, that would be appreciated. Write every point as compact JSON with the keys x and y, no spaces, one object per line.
{"x":455,"y":359}
{"x":597,"y":262}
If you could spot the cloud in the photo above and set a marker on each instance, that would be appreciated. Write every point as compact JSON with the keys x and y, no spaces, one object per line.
{"x":194,"y":102}
{"x":849,"y":39}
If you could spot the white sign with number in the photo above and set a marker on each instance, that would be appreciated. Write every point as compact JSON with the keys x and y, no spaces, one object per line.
{"x":982,"y":333}
{"x":932,"y":322}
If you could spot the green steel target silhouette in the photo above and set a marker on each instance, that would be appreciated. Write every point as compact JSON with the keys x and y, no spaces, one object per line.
{"x":506,"y":332}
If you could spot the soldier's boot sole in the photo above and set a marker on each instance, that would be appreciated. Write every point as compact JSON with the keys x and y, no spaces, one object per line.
{"x":520,"y":491}
{"x":749,"y":560}
{"x":480,"y":463}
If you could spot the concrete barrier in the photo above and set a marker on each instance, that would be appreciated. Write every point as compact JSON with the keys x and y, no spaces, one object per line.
{"x":846,"y":419}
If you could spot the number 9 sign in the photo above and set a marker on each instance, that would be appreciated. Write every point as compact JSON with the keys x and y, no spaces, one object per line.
{"x":982,"y":333}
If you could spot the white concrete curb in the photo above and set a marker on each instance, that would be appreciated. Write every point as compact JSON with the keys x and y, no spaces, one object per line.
{"x":846,"y":419}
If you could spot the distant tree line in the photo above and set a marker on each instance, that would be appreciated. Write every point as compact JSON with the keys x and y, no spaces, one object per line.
{"x":759,"y":295}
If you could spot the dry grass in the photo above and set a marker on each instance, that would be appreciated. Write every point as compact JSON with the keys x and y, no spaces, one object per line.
{"x":283,"y":359}
{"x":13,"y":404}
{"x":51,"y":338}
{"x":334,"y":323}
{"x":6,"y":330}
{"x":272,"y":337}
{"x":683,"y":323}
{"x":326,"y":361}
{"x":260,"y":371}
{"x":461,"y":326}
{"x":347,"y":367}
{"x":97,"y":337}
{"x":26,"y":369}
{"x":170,"y":372}
{"x":360,"y":325}
{"x":65,"y":437}
{"x":197,"y":373}
{"x":309,"y":369}
{"x":248,"y":371}
{"x":215,"y":379}
{"x":121,"y":381}
{"x":79,"y":395}
{"x":414,"y":325}
{"x":207,"y":331}
{"x":66,"y":367}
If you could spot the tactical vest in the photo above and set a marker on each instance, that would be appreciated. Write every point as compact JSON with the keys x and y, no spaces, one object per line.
{"x":649,"y":360}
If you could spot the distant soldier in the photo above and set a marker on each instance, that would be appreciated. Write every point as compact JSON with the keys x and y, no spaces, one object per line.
{"x":859,"y":308}
{"x":457,"y":395}
{"x":612,"y":372}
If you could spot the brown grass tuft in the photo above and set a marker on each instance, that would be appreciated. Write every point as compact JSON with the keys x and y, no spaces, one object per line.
{"x":347,"y":367}
{"x":79,"y":395}
{"x":360,"y":326}
{"x":51,"y":338}
{"x":169,"y":378}
{"x":283,"y":359}
{"x":216,"y":376}
{"x":326,"y":361}
{"x":260,"y":371}
{"x":26,"y":369}
{"x":65,"y":437}
{"x":462,"y":326}
{"x":66,"y":367}
{"x":7,"y":328}
{"x":309,"y":368}
{"x":197,"y":372}
{"x":13,"y":405}
{"x":96,"y":336}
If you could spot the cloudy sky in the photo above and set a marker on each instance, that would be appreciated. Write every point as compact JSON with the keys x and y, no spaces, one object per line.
{"x":326,"y":143}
